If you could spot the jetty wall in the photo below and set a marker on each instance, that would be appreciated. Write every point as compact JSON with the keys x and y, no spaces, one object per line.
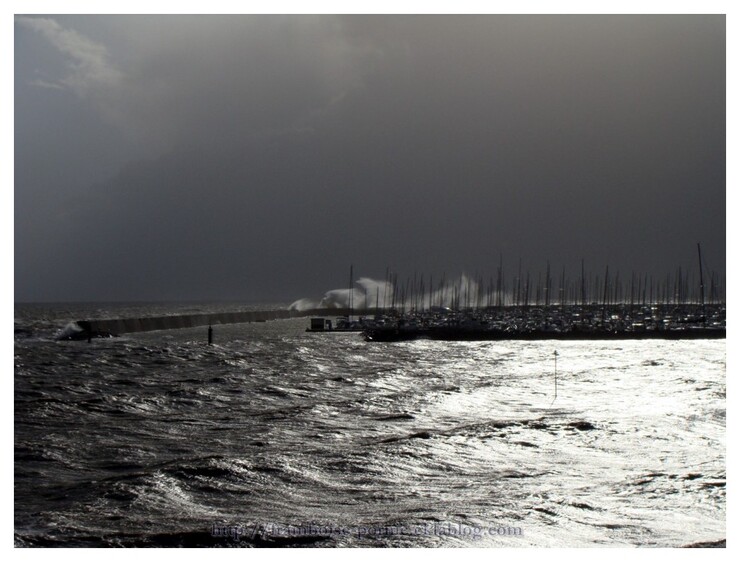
{"x":118,"y":326}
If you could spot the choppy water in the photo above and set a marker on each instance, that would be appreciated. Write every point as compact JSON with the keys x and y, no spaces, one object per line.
{"x":283,"y":437}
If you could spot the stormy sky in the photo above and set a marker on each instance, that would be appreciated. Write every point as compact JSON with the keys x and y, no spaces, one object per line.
{"x":256,"y":157}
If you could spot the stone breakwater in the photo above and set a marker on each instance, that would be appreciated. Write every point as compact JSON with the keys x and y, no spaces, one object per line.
{"x":117,"y":326}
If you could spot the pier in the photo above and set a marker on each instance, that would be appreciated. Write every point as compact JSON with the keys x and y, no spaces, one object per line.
{"x":117,"y":326}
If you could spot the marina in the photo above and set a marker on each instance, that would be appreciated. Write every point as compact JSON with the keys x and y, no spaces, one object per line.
{"x":556,"y":323}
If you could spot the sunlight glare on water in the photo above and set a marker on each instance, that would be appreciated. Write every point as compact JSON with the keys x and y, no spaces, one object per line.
{"x":153,"y":438}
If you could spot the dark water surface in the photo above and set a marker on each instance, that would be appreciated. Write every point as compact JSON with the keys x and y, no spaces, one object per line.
{"x":280,"y":437}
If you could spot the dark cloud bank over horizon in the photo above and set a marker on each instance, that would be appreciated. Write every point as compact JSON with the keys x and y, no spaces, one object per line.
{"x":256,"y":158}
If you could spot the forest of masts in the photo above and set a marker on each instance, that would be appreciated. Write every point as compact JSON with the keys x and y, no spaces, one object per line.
{"x":554,"y":288}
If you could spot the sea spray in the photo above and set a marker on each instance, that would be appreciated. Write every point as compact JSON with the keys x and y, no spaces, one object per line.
{"x":369,"y":293}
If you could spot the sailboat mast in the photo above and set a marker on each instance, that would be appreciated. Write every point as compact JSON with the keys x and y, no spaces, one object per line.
{"x":351,"y":277}
{"x":701,"y":278}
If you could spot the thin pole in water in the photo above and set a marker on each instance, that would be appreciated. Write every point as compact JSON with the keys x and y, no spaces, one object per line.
{"x":555,"y":354}
{"x":210,"y":335}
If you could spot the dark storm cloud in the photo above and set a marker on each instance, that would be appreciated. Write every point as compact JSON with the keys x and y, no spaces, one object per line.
{"x":257,"y":157}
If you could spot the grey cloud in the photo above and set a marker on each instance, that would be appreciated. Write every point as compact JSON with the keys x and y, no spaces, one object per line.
{"x":90,"y":68}
{"x":182,"y":78}
{"x":258,"y":157}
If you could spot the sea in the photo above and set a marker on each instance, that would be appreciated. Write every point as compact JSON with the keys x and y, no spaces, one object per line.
{"x":277,"y":437}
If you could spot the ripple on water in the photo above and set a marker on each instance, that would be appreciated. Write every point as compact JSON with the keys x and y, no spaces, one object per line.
{"x":274,"y":425}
